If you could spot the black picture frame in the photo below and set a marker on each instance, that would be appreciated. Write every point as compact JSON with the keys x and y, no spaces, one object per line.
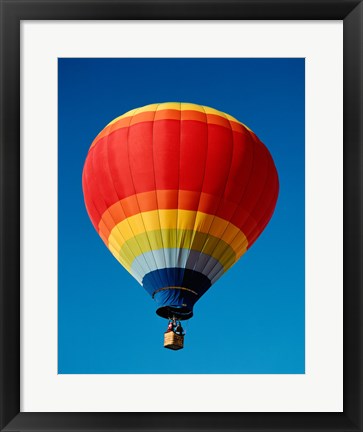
{"x":12,"y":12}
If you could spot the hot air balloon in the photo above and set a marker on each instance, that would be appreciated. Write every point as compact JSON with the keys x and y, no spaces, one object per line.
{"x":178,"y":192}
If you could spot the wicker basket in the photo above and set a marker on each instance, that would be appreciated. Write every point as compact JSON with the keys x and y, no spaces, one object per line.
{"x":173,"y":341}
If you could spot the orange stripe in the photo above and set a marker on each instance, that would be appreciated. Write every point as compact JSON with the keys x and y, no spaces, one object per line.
{"x":193,"y":115}
{"x":142,"y":117}
{"x":161,"y":199}
{"x":170,"y":114}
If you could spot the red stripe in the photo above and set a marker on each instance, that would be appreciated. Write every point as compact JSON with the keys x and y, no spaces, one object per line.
{"x":140,"y":158}
{"x":254,"y":185}
{"x":166,"y":153}
{"x":193,"y":153}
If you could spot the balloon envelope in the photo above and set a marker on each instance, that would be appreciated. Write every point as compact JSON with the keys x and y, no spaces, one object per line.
{"x":178,"y":192}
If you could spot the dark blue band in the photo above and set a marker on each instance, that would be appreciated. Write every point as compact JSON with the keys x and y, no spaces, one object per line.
{"x":166,"y":287}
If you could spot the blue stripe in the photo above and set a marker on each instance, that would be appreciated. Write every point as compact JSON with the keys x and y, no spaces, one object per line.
{"x":180,"y":258}
{"x":174,"y":301}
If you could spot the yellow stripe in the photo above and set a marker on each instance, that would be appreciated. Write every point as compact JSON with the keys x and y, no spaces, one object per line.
{"x":178,"y":219}
{"x":154,"y":240}
{"x":179,"y":106}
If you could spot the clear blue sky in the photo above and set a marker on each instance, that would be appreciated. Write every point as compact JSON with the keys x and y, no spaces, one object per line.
{"x":252,"y":321}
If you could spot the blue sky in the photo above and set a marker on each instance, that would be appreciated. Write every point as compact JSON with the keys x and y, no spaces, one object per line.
{"x":252,"y":321}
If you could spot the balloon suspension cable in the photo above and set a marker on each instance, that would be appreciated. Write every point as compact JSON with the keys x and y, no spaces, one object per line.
{"x":175,"y":325}
{"x":173,"y":320}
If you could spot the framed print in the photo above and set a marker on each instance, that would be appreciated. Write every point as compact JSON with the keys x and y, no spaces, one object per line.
{"x":146,"y":150}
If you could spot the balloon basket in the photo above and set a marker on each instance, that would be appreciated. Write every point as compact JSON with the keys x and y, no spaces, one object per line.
{"x":173,"y":341}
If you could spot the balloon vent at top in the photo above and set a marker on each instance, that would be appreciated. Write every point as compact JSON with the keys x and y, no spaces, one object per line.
{"x":178,"y":192}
